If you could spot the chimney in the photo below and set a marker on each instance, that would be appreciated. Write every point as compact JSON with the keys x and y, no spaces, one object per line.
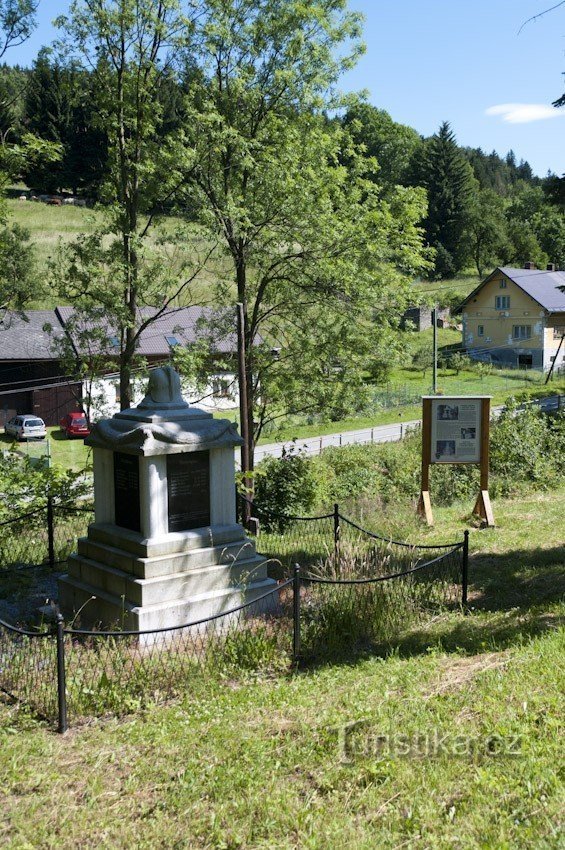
{"x":550,"y":267}
{"x":529,"y":265}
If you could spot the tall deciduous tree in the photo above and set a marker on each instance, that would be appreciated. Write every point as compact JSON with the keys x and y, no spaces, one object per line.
{"x":17,"y":20}
{"x":392,"y":145}
{"x":313,"y":247}
{"x":131,"y":47}
{"x":448,"y":179}
{"x":486,"y":230}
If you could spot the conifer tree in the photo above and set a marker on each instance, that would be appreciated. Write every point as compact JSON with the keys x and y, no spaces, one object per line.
{"x":448,"y":178}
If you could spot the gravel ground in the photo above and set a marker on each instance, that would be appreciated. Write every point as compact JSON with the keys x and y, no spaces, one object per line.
{"x":23,"y":592}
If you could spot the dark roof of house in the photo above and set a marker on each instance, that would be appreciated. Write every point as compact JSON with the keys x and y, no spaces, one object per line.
{"x":24,"y":337}
{"x":545,"y":287}
{"x":184,"y":325}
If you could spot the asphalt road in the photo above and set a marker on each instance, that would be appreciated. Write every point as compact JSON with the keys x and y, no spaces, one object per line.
{"x":377,"y":434}
{"x":315,"y":445}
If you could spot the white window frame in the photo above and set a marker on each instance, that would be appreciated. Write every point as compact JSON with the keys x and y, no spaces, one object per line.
{"x":521,"y":331}
{"x":501,"y":302}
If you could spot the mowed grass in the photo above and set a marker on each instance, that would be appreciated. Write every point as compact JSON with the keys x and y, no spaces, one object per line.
{"x":470,"y":709}
{"x":65,"y":453}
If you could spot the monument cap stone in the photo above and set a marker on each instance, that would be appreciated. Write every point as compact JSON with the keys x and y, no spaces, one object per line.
{"x":163,"y":423}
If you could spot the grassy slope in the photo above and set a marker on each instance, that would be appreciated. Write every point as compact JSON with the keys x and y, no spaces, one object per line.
{"x":257,"y":764}
{"x":52,"y":226}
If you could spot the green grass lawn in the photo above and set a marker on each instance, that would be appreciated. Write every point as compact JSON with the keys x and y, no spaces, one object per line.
{"x":463,"y":283}
{"x":68,"y":454}
{"x":458,"y":741}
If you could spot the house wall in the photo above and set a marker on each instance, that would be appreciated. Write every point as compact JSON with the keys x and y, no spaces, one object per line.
{"x":220,"y":394}
{"x":497,"y":338}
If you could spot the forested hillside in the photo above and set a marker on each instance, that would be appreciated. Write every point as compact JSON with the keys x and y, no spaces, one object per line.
{"x":483,"y":208}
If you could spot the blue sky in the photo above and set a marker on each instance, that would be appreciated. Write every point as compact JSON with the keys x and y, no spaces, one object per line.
{"x":462,"y":61}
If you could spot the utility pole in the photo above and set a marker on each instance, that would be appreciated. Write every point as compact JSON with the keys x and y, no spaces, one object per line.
{"x":434,"y":366}
{"x":243,"y":413}
{"x":549,"y":374}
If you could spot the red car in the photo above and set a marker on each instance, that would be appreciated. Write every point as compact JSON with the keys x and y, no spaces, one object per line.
{"x":75,"y":424}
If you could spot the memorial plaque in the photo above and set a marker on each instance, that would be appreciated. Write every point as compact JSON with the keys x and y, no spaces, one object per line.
{"x":126,"y":491}
{"x":188,"y":488}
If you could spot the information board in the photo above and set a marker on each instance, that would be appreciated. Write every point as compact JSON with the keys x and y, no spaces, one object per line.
{"x":456,"y":430}
{"x":188,"y":488}
{"x":126,"y":491}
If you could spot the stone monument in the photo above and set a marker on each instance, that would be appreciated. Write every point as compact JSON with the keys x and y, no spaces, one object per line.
{"x":165,"y":548}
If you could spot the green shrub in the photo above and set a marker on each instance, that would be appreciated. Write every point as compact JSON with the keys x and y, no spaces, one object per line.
{"x":527,"y":446}
{"x":285,"y":486}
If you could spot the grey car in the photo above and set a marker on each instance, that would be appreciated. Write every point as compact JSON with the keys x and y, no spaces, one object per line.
{"x":26,"y":427}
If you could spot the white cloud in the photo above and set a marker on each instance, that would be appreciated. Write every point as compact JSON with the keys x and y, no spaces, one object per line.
{"x":523,"y":113}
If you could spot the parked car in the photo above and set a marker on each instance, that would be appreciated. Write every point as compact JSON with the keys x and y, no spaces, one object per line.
{"x":75,"y":425}
{"x":26,"y":427}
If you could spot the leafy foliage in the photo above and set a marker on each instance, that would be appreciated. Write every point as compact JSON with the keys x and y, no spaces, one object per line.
{"x":285,"y":486}
{"x":25,"y":486}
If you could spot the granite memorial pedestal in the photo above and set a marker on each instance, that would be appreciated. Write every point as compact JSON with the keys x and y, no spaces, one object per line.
{"x":165,"y":548}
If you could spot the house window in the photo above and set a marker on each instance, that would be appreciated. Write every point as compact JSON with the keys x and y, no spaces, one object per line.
{"x":502,"y":284}
{"x":172,"y":341}
{"x":481,"y":330}
{"x":502,"y":302}
{"x":521,"y":331}
{"x":558,"y":332}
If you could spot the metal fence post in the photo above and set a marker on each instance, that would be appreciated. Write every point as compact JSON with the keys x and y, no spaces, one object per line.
{"x":296,"y":614}
{"x":61,"y":678}
{"x":465,"y":570}
{"x":336,"y":533}
{"x":50,"y":533}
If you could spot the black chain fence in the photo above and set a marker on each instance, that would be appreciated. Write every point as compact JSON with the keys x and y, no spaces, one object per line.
{"x":353,"y":591}
{"x":333,"y":540}
{"x":44,"y":536}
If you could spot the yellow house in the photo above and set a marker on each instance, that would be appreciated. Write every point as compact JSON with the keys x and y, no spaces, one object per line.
{"x":516,"y":317}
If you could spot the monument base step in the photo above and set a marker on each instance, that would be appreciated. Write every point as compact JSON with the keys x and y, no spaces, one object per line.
{"x":167,"y":544}
{"x":95,"y":608}
{"x":162,"y":565}
{"x":184,"y":584}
